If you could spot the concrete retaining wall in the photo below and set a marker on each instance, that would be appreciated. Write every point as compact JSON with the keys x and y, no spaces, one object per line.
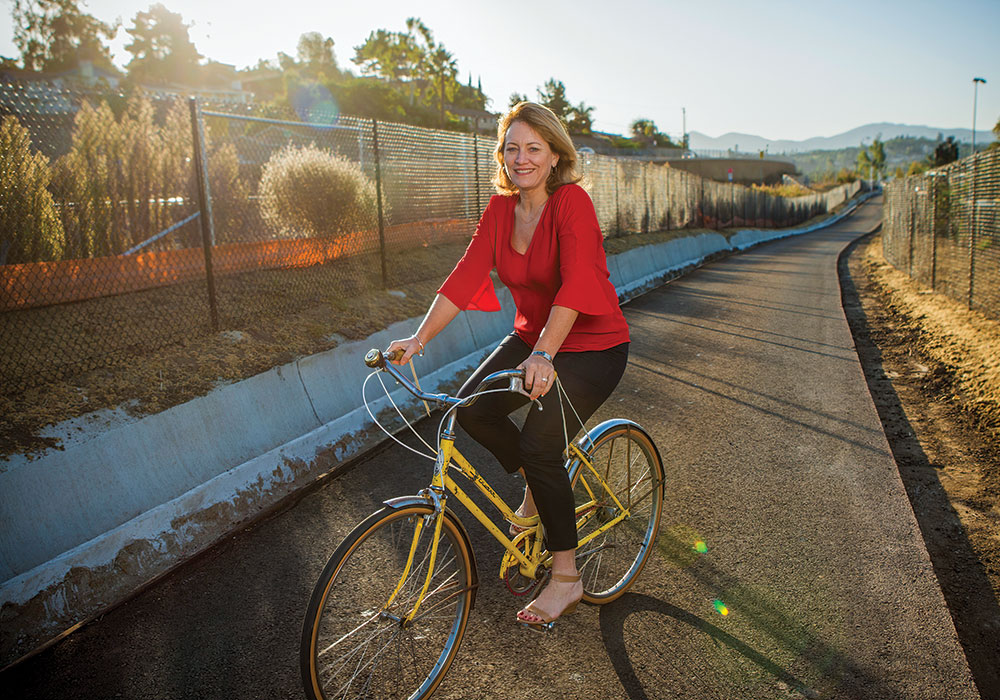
{"x":126,"y":499}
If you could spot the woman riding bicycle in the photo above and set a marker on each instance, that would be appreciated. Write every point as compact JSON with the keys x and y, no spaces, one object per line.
{"x":541,"y":234}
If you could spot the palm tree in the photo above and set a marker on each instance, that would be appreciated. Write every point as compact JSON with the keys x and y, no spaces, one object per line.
{"x":443,"y":67}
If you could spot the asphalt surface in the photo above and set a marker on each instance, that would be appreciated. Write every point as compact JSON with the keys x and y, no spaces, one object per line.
{"x":746,"y":375}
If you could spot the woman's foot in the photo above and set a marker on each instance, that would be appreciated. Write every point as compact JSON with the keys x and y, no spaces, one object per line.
{"x":516,"y":530}
{"x":527,"y":509}
{"x":559,"y":598}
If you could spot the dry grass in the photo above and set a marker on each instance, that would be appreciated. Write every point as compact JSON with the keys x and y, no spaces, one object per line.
{"x":964,"y":343}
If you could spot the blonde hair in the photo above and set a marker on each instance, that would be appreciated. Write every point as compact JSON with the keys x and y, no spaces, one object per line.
{"x":544,"y":121}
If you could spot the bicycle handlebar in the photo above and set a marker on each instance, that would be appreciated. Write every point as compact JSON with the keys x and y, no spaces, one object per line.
{"x":376,"y":359}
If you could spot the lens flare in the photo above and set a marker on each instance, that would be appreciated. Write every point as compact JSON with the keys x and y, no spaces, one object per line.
{"x":720,"y":607}
{"x":700,"y":547}
{"x":314,"y":103}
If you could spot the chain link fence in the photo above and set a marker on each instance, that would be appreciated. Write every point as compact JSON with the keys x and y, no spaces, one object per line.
{"x":941,"y":228}
{"x":131,"y":224}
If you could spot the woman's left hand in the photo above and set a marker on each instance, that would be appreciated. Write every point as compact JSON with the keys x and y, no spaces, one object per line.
{"x":539,"y":376}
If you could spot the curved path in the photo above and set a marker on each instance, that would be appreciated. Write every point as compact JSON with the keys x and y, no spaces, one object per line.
{"x":746,"y":374}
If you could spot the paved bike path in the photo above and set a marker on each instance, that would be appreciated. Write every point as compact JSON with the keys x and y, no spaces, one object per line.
{"x":745,"y":373}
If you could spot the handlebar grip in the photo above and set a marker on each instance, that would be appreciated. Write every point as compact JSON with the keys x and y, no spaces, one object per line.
{"x":376,"y":359}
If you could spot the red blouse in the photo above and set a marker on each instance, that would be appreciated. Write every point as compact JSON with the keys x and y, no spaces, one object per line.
{"x":564,"y":265}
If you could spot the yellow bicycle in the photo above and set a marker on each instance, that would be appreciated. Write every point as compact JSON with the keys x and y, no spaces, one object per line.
{"x":388,"y":613}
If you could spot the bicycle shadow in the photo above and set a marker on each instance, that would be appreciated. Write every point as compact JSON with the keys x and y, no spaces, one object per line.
{"x":613,"y":619}
{"x":691,"y":668}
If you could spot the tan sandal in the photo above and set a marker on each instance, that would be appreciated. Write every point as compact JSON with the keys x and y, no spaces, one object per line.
{"x":516,"y":530}
{"x":547,"y":621}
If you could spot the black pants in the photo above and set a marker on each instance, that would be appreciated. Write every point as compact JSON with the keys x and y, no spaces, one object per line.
{"x":588,"y":379}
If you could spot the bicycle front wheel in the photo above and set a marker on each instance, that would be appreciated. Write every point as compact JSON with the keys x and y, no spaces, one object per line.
{"x":629,"y":464}
{"x":356,"y":640}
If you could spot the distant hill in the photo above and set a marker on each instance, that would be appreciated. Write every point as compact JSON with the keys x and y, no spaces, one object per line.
{"x":750,"y":143}
{"x":899,"y":152}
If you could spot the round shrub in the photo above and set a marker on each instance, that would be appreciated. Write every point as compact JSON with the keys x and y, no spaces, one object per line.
{"x":308,"y":191}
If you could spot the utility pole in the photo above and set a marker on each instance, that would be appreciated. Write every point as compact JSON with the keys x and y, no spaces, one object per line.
{"x":975,"y":100}
{"x":684,"y":126}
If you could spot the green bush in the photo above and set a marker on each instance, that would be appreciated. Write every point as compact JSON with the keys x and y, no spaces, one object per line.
{"x":308,"y":191}
{"x":30,"y":229}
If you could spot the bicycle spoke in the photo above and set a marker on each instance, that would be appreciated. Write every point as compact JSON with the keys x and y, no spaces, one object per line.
{"x":628,"y":481}
{"x":363,"y":648}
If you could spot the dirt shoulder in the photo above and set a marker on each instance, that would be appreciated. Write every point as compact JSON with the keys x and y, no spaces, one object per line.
{"x":933,"y":368}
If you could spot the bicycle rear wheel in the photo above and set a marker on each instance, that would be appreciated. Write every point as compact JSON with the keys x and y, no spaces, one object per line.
{"x":628,"y":462}
{"x":355,"y":643}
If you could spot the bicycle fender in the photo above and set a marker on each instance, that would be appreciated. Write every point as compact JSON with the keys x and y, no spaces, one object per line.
{"x":587,"y":441}
{"x":404,"y":501}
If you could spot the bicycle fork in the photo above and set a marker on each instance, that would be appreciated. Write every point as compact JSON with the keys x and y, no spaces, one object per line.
{"x":436,"y":495}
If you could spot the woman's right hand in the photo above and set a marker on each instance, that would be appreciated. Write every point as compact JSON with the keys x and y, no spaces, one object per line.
{"x":410,"y":346}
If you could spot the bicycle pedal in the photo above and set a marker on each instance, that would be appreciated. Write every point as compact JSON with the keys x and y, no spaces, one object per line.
{"x":538,"y":626}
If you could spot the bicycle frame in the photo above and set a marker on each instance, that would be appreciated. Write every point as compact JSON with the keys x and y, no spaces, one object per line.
{"x":535,"y":556}
{"x":531,"y":563}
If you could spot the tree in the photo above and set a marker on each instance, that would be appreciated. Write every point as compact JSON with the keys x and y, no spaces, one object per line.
{"x":946,"y":152}
{"x":516,"y":98}
{"x":878,"y":156}
{"x":581,"y":119}
{"x":30,"y":230}
{"x":316,"y":53}
{"x":55,"y":35}
{"x":864,"y":161}
{"x":645,"y":131}
{"x":412,"y":57}
{"x":162,"y":49}
{"x":578,"y":119}
{"x":553,"y":96}
{"x":389,"y":55}
{"x":432,"y":63}
{"x":996,"y":136}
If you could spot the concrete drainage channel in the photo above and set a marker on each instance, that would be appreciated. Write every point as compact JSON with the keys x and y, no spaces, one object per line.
{"x":125,"y":500}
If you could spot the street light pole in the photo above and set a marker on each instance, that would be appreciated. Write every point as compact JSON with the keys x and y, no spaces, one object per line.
{"x":975,"y":100}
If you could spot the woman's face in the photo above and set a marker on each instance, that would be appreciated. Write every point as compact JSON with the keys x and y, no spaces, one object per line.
{"x":527,"y":157}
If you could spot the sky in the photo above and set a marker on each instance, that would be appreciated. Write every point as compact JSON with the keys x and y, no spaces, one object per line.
{"x":777,"y":69}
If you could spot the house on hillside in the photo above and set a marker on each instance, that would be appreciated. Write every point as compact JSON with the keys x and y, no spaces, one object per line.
{"x":223,"y":85}
{"x":479,"y":120}
{"x":85,"y":74}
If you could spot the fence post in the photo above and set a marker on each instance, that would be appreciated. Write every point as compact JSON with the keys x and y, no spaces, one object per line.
{"x":909,"y":252}
{"x":934,"y":231}
{"x":618,"y":215}
{"x":972,"y":234}
{"x":475,"y":159}
{"x":204,"y":204}
{"x":732,"y":205}
{"x":378,"y":197}
{"x":701,"y":202}
{"x":644,"y":225}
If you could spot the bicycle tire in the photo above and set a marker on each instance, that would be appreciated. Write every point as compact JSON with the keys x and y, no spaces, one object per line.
{"x":353,"y":648}
{"x":627,"y":459}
